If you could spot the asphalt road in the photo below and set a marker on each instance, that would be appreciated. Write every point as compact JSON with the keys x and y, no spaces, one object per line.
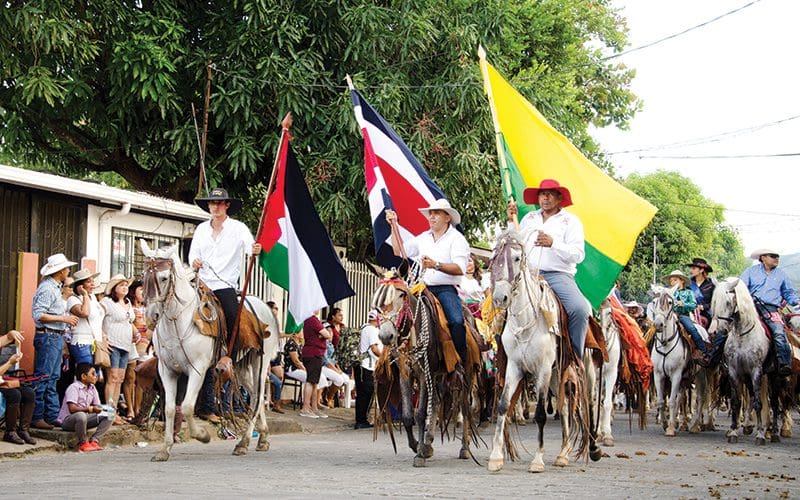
{"x":643,"y":464}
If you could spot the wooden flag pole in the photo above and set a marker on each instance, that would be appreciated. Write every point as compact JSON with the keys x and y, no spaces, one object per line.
{"x":501,"y":154}
{"x":286,"y":124}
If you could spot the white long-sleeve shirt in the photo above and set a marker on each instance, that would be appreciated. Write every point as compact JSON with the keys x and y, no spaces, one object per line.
{"x":222,"y":257}
{"x":450,"y":248}
{"x":568,"y":248}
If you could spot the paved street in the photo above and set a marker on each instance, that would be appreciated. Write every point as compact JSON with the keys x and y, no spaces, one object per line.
{"x":347,"y":463}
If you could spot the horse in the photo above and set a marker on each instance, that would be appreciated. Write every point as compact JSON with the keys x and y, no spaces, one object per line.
{"x":183,"y":350}
{"x":746,"y":348}
{"x":407,"y":330}
{"x":530,"y":341}
{"x":602,"y":379}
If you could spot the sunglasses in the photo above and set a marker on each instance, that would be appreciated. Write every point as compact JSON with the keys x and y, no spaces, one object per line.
{"x":772,"y":255}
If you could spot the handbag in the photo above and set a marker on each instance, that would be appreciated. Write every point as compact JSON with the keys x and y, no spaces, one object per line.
{"x":102,"y":354}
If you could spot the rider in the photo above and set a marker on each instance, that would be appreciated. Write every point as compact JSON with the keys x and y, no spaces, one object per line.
{"x":556,"y":251}
{"x":216,"y":253}
{"x":445,"y":253}
{"x":685,"y":304}
{"x":769,"y":286}
{"x":702,"y":287}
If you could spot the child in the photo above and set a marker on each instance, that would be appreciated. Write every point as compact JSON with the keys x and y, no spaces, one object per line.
{"x":81,"y":408}
{"x":684,"y":304}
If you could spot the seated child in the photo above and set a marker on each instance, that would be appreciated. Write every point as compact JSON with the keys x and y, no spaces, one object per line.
{"x":81,"y":409}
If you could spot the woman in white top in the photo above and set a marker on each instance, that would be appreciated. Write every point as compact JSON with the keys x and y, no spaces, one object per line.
{"x":83,"y":304}
{"x":119,"y":331}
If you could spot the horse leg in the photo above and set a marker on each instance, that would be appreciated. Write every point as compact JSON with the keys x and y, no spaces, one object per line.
{"x":468,"y":414}
{"x":537,"y":464}
{"x":659,"y":381}
{"x":609,"y":379}
{"x":786,"y":425}
{"x":513,"y":377}
{"x":562,"y":460}
{"x":755,"y":396}
{"x":736,"y":406}
{"x":674,"y":394}
{"x":774,"y":402}
{"x":192,"y":389}
{"x":408,"y":411}
{"x":699,"y":390}
{"x":424,"y":448}
{"x":170,"y":382}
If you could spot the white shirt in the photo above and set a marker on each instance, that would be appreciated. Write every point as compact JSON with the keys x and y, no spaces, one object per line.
{"x":568,"y":249}
{"x":88,"y":330}
{"x":450,"y":248}
{"x":222,"y":257}
{"x":369,"y":337}
{"x":118,"y":323}
{"x":471,"y":289}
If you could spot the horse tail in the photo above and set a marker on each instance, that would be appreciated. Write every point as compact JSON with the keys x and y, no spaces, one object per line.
{"x":573,"y":389}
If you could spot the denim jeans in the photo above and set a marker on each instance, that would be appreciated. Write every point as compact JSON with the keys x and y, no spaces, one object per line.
{"x":782,"y":349}
{"x":47,"y":361}
{"x":687,"y":323}
{"x":454,"y":312}
{"x":578,"y":308}
{"x":719,"y":347}
{"x":277,"y":386}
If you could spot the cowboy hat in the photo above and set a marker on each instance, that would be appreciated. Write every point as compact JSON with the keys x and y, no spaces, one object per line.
{"x":756,"y":255}
{"x":114,"y":281}
{"x":531,"y":195}
{"x":81,"y":276}
{"x":633,"y":305}
{"x":444,"y":205}
{"x":373,"y":315}
{"x":219,"y":194}
{"x":56,"y":263}
{"x":676,"y":274}
{"x":702,"y":264}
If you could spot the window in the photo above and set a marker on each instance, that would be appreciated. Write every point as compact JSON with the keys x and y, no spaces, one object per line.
{"x":126,"y":254}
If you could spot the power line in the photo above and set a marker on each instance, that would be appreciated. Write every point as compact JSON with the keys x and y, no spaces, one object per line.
{"x":755,"y":212}
{"x":720,"y":157}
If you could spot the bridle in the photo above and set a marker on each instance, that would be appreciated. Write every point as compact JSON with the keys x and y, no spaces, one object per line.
{"x":401,"y":318}
{"x":666,"y":300}
{"x":503,"y":255}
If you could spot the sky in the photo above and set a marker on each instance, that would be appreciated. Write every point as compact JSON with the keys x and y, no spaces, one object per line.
{"x":734,"y":74}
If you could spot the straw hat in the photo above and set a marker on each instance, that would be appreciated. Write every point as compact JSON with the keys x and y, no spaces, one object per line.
{"x":531,"y":195}
{"x":633,"y":305}
{"x":116,"y":279}
{"x":219,"y":194}
{"x":676,"y":274}
{"x":56,"y":263}
{"x":81,"y":276}
{"x":756,"y":255}
{"x":444,"y":205}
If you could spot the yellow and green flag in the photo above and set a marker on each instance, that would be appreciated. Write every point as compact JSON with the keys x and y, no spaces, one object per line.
{"x":531,"y":150}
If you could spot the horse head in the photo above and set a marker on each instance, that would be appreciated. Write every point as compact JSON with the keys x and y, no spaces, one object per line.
{"x":507,"y":259}
{"x":162,"y":265}
{"x":393,"y":299}
{"x":663,"y":302}
{"x":725,"y":305}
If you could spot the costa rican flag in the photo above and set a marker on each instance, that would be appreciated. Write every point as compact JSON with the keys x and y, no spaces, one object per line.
{"x":395,"y":180}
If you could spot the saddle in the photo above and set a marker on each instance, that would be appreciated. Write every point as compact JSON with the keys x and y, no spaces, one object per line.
{"x":448,"y":348}
{"x":252,"y":331}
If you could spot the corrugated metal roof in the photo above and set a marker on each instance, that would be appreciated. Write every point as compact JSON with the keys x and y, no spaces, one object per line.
{"x":141,"y":202}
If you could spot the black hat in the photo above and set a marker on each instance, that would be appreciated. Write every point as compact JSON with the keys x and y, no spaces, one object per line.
{"x":219,"y":194}
{"x":702,"y":264}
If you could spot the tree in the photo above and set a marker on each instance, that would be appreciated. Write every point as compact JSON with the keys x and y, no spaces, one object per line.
{"x":107,"y":87}
{"x":687,"y":225}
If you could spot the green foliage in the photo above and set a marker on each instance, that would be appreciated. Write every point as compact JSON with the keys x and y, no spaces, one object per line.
{"x":687,"y":225}
{"x":108,"y":87}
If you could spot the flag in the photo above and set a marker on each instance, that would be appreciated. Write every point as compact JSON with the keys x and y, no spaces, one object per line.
{"x":395,"y":180}
{"x":533,"y":150}
{"x":297,"y":253}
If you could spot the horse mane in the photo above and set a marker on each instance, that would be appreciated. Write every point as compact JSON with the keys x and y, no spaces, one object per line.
{"x":747,"y":308}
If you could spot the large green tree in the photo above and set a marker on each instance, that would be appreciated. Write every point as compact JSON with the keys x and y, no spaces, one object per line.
{"x":106,"y":86}
{"x":687,"y":225}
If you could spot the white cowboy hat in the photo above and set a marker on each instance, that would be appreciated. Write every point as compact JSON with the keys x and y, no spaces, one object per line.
{"x":117,"y":278}
{"x":56,"y":263}
{"x":633,"y":305}
{"x":444,"y":205}
{"x":762,"y":251}
{"x":676,"y":274}
{"x":83,"y":275}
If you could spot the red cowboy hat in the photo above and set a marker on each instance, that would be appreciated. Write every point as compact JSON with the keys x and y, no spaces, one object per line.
{"x":531,"y":195}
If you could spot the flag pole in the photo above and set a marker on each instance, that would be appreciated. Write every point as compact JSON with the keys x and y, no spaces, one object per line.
{"x":501,"y":154}
{"x":394,"y":228}
{"x":286,"y":124}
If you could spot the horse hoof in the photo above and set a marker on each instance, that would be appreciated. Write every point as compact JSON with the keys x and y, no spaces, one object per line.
{"x":262,"y":446}
{"x":708,"y":427}
{"x":161,"y":456}
{"x":670,"y":432}
{"x":240,"y":451}
{"x":775,"y":438}
{"x":695,"y":429}
{"x":463,"y":454}
{"x":596,"y":454}
{"x":203,"y":436}
{"x":495,"y":465}
{"x":761,"y":441}
{"x":786,"y":433}
{"x":419,"y":461}
{"x":748,"y":429}
{"x":608,"y":441}
{"x":534,"y":468}
{"x":426,"y":451}
{"x":561,"y":461}
{"x":733,"y":439}
{"x":683,"y":427}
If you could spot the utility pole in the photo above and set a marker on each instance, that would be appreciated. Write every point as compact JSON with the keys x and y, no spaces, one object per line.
{"x":655,"y":257}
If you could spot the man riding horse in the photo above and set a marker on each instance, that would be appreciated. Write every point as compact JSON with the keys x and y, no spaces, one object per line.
{"x":556,"y":250}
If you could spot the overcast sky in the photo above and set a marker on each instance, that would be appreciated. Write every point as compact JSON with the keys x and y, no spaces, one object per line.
{"x":739,"y":72}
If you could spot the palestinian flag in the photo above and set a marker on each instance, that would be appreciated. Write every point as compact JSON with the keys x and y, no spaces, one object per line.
{"x":531,"y":150}
{"x":297,"y":253}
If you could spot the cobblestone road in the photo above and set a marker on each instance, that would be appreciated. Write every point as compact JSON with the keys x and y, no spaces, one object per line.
{"x":643,"y":464}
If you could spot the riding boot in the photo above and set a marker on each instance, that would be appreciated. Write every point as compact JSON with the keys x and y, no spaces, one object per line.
{"x":25,"y":423}
{"x":12,"y":416}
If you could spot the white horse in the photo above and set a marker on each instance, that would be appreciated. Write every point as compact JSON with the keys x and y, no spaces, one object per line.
{"x":605,"y":375}
{"x":530,"y":345}
{"x":183,"y":350}
{"x":746,"y":349}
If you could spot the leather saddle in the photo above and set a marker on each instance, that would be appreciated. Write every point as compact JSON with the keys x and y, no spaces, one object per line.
{"x":252,"y":331}
{"x":475,"y":342}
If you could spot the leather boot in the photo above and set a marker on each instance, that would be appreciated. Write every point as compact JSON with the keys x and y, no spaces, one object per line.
{"x":25,"y":423}
{"x":12,"y":416}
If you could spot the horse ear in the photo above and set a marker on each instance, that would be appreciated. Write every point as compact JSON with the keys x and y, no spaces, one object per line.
{"x":734,"y":283}
{"x":146,"y":248}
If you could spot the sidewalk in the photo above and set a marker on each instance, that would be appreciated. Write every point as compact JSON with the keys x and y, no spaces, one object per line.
{"x":128,"y":435}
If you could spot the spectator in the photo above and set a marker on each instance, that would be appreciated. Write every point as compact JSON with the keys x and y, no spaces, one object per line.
{"x":333,"y":375}
{"x":50,"y":316}
{"x":276,"y":366}
{"x":131,"y":390}
{"x":81,"y":409}
{"x":314,"y":349}
{"x":370,"y":348}
{"x":118,"y":330}
{"x":471,"y":289}
{"x":293,"y":364}
{"x":19,"y":398}
{"x":89,"y":328}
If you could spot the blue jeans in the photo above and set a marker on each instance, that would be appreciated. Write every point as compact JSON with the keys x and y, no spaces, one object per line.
{"x":277,"y":386}
{"x":47,"y":361}
{"x":81,"y":353}
{"x":687,"y":323}
{"x":782,"y":349}
{"x":578,"y":308}
{"x":119,"y":357}
{"x":454,"y":312}
{"x":719,"y":348}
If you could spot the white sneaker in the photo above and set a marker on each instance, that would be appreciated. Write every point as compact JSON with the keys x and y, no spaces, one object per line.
{"x":309,"y":414}
{"x":320,"y":414}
